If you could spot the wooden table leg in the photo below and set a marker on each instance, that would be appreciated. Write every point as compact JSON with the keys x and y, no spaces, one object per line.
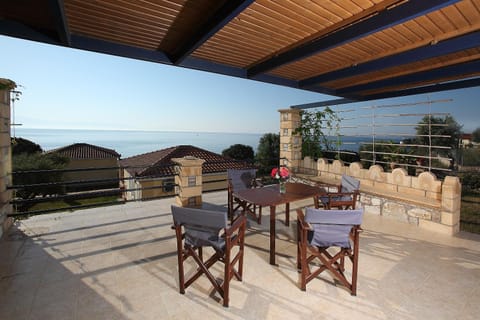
{"x":287,"y":214}
{"x":272,"y":235}
{"x":299,"y":266}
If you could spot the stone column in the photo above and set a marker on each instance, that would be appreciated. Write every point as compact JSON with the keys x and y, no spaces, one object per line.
{"x":188,"y":179}
{"x":451,"y":204}
{"x":5,"y":155}
{"x":290,"y":144}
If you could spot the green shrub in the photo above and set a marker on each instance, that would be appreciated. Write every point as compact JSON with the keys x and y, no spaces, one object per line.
{"x":471,"y":157}
{"x":470,"y":180}
{"x":345,"y":155}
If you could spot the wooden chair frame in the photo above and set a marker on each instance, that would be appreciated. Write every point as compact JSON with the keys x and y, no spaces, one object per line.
{"x":234,"y":236}
{"x":235,"y":203}
{"x":334,"y":263}
{"x":340,"y":199}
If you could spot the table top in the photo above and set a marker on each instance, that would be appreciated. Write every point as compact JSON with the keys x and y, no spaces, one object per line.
{"x":271,"y":196}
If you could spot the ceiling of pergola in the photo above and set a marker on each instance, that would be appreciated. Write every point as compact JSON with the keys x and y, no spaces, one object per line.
{"x":356,"y":50}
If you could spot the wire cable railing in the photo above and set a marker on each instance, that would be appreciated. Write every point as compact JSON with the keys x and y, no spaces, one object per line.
{"x":377,"y":136}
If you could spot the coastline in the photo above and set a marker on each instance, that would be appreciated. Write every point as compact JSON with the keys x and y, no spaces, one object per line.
{"x":134,"y":142}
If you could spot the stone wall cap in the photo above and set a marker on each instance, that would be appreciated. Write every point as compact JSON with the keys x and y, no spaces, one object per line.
{"x":188,"y":159}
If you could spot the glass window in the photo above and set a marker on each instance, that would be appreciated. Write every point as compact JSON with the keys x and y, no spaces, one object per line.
{"x":168,"y":185}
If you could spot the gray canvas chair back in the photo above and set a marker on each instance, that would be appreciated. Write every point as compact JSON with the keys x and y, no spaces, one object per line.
{"x":349,"y":184}
{"x":332,"y":227}
{"x":241,"y":179}
{"x":202,"y":227}
{"x":238,"y":180}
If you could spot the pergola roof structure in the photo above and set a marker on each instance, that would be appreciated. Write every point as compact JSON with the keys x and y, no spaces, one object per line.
{"x":356,"y":50}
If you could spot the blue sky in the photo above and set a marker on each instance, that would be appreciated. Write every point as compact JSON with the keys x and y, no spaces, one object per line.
{"x":74,"y":89}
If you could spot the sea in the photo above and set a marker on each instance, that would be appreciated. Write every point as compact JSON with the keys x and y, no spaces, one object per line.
{"x":131,"y":143}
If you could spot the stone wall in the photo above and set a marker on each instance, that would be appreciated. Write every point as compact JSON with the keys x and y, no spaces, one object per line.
{"x":422,"y":200}
{"x":5,"y":155}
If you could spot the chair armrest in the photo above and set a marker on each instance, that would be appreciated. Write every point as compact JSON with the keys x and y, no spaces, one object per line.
{"x":355,"y":233}
{"x":257,"y":183}
{"x":301,"y":221}
{"x":333,"y":195}
{"x":237,"y":223}
{"x":322,"y":185}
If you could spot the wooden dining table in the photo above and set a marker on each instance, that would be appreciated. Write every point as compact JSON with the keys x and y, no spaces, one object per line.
{"x":270,"y":196}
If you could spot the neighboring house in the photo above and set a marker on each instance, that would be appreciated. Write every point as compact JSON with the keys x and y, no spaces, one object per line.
{"x":152,"y":174}
{"x":466,"y":140}
{"x":86,"y":156}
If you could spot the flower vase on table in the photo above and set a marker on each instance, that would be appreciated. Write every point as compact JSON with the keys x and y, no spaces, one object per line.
{"x":281,"y":174}
{"x":283,"y":187}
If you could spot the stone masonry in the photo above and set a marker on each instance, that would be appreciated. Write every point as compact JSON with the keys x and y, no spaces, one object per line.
{"x":422,"y":200}
{"x":5,"y":155}
{"x":189,"y":181}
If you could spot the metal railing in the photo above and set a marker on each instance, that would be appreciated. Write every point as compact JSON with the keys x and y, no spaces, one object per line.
{"x":376,"y":135}
{"x":41,"y":197}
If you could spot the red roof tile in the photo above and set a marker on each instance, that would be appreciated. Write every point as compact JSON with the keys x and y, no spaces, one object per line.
{"x":86,"y":151}
{"x":159,"y":163}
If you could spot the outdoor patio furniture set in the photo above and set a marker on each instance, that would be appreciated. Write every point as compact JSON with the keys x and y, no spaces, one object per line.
{"x":328,"y":236}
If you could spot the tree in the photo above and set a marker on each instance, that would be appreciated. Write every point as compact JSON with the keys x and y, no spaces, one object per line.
{"x":31,"y":166}
{"x":38,"y":168}
{"x":438,"y":131}
{"x":315,"y":129}
{"x":21,"y":145}
{"x":388,"y":154}
{"x":239,"y":152}
{"x":268,"y":152}
{"x":476,"y":135}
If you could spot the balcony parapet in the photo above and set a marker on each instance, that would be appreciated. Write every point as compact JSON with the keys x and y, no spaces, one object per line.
{"x":423,"y":200}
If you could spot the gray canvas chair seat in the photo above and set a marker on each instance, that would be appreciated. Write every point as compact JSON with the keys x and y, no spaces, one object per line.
{"x":346,"y":195}
{"x":321,"y":232}
{"x":198,"y":228}
{"x":201,"y":238}
{"x":241,"y":179}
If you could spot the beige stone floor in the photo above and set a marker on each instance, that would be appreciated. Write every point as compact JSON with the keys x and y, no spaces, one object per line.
{"x":119,"y":262}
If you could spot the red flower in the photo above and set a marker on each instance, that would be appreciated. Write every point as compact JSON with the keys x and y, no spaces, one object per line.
{"x":279,"y":173}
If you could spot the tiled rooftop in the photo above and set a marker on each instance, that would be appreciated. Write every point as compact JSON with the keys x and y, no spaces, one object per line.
{"x":119,"y":262}
{"x":159,"y":163}
{"x":86,"y":151}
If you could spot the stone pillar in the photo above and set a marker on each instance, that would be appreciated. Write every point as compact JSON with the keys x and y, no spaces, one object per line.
{"x":290,"y":144}
{"x":451,"y":204}
{"x":5,"y":155}
{"x":188,"y":179}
